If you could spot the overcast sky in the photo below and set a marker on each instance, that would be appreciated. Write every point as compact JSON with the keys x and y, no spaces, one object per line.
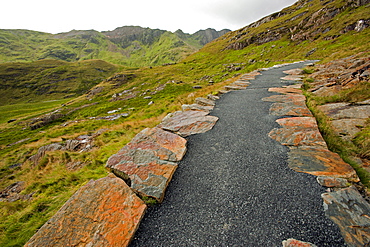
{"x":103,"y":15}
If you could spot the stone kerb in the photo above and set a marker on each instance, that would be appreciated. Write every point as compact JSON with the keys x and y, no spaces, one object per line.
{"x":308,"y":153}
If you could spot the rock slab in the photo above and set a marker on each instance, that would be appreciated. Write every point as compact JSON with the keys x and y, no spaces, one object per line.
{"x":147,"y":162}
{"x":188,"y":122}
{"x":104,"y":212}
{"x":351,"y":213}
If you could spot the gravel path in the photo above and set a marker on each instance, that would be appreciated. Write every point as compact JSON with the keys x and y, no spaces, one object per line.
{"x":234,"y":188}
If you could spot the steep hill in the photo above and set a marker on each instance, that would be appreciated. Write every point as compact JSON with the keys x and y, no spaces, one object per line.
{"x":118,"y":107}
{"x":131,"y":46}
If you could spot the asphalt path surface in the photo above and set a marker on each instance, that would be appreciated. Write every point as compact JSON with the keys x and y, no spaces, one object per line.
{"x":234,"y":187}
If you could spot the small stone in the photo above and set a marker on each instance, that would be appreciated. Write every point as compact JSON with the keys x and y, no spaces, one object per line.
{"x":296,"y":243}
{"x":331,"y":182}
{"x":147,"y":97}
{"x":197,"y":87}
{"x":151,"y":103}
{"x":213,"y":97}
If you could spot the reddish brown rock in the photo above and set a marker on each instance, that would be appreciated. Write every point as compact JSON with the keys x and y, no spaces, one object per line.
{"x":298,"y":131}
{"x":285,"y":98}
{"x":294,"y":108}
{"x":331,"y":182}
{"x":188,"y":122}
{"x":351,"y":213}
{"x":285,"y":90}
{"x":104,"y":212}
{"x":320,"y":161}
{"x":294,"y":72}
{"x":296,"y":243}
{"x":147,"y":162}
{"x":204,"y":102}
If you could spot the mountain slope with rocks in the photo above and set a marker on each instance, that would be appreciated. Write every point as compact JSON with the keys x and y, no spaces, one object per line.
{"x":129,"y":45}
{"x":71,"y":139}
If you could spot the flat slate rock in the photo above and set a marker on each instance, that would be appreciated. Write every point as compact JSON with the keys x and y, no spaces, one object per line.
{"x":351,"y":213}
{"x":197,"y":107}
{"x":204,"y":102}
{"x":285,"y":98}
{"x":346,"y":110}
{"x":348,"y":128}
{"x":104,"y":212}
{"x":285,"y":90}
{"x":294,"y":108}
{"x":147,"y":162}
{"x":331,"y":182}
{"x":298,"y":131}
{"x":296,"y":243}
{"x":188,"y":122}
{"x":320,"y":161}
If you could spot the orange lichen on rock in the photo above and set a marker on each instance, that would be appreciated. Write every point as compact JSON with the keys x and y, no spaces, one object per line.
{"x":104,"y":212}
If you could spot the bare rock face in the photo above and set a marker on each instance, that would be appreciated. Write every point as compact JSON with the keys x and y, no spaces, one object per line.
{"x":147,"y":162}
{"x":188,"y":122}
{"x":351,"y":213}
{"x":104,"y":212}
{"x":320,"y":161}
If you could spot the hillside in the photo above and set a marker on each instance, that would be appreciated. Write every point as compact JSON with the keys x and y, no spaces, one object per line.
{"x":130,"y":99}
{"x":130,"y":45}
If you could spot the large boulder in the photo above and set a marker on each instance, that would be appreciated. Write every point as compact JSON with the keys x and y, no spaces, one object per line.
{"x":104,"y":212}
{"x":147,"y":162}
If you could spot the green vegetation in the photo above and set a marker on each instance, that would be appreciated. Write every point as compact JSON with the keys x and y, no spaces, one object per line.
{"x":81,"y":92}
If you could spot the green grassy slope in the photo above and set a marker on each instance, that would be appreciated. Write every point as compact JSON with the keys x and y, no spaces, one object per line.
{"x":286,"y":37}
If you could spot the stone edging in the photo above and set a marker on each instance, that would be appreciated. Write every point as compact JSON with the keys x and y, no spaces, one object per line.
{"x":107,"y":212}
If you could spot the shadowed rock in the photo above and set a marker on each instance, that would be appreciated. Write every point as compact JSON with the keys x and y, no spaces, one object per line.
{"x":188,"y":122}
{"x":351,"y":213}
{"x":104,"y":212}
{"x":147,"y":162}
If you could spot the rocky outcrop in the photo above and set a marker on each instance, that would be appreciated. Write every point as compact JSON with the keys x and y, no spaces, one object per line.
{"x":104,"y":212}
{"x":351,"y":213}
{"x":82,"y":143}
{"x":147,"y":163}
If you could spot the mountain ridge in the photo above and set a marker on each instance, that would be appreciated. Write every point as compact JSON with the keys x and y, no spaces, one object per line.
{"x":126,"y":45}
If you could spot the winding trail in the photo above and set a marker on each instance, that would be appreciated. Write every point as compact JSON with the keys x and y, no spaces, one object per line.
{"x":234,"y":187}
